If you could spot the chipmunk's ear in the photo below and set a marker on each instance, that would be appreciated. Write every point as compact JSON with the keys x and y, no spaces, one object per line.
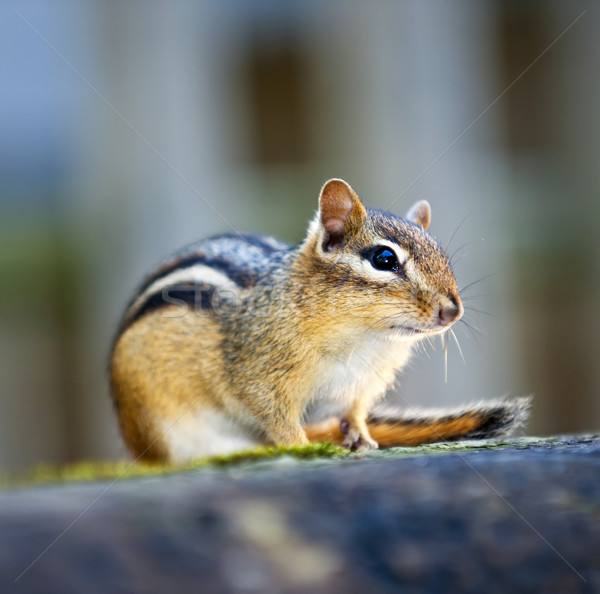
{"x":420,"y":214}
{"x":341,"y":212}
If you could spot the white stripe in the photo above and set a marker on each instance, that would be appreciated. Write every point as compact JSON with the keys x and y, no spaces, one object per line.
{"x":197,"y":273}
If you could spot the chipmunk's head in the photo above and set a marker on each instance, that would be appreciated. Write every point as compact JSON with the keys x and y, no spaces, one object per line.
{"x":390,"y":274}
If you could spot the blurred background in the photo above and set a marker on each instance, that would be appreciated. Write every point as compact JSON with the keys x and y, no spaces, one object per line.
{"x":128,"y":129}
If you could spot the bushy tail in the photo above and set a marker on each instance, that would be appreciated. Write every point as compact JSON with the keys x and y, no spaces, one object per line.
{"x":495,"y":418}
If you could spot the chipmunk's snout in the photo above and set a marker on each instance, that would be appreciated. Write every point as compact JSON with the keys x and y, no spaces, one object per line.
{"x":450,"y":312}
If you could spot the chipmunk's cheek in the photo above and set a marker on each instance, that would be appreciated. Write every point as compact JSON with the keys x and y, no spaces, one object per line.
{"x":424,"y":307}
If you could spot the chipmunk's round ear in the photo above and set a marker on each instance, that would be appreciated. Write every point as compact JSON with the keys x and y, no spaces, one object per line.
{"x":420,"y":214}
{"x":341,"y":212}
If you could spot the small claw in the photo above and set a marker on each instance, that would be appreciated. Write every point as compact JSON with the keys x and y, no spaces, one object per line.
{"x":356,"y":442}
{"x":354,"y":447}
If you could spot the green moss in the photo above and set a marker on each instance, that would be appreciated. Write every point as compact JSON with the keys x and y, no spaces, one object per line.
{"x":304,"y":452}
{"x":90,"y":471}
{"x":94,"y":471}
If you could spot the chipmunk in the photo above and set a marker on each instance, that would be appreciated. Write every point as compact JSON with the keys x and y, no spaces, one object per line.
{"x":228,"y":343}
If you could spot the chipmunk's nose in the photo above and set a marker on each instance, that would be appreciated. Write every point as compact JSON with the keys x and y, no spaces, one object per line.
{"x":450,"y":312}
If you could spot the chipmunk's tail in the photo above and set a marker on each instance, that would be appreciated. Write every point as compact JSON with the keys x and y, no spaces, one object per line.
{"x":495,"y":418}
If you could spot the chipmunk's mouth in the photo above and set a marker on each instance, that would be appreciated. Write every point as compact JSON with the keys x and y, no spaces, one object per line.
{"x":407,"y":330}
{"x":410,"y":331}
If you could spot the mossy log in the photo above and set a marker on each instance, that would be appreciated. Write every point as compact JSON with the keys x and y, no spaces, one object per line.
{"x":492,"y":516}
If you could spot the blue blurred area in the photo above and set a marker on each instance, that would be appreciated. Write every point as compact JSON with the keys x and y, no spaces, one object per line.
{"x":130,"y":129}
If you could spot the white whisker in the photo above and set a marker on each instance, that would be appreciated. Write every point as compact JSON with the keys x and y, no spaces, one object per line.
{"x":458,"y":345}
{"x":445,"y":341}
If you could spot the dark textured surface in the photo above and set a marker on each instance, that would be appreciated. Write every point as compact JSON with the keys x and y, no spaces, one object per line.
{"x":516,"y":518}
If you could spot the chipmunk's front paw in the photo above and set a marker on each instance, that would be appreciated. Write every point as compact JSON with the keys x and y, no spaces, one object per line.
{"x":354,"y":440}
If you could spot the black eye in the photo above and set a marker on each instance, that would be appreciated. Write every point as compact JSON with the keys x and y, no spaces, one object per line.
{"x":384,"y":259}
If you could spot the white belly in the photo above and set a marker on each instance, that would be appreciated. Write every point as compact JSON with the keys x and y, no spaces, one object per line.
{"x":368,"y":370}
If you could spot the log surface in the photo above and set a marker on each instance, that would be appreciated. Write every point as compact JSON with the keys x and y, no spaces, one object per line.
{"x":520,"y":516}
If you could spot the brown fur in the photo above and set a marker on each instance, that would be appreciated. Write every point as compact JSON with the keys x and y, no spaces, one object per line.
{"x":156,"y":373}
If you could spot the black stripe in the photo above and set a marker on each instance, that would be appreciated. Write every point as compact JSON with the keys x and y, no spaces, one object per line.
{"x":190,"y":298}
{"x":180,"y":264}
{"x":491,"y":423}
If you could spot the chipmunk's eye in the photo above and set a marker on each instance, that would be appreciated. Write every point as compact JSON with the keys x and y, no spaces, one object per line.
{"x":384,"y":259}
